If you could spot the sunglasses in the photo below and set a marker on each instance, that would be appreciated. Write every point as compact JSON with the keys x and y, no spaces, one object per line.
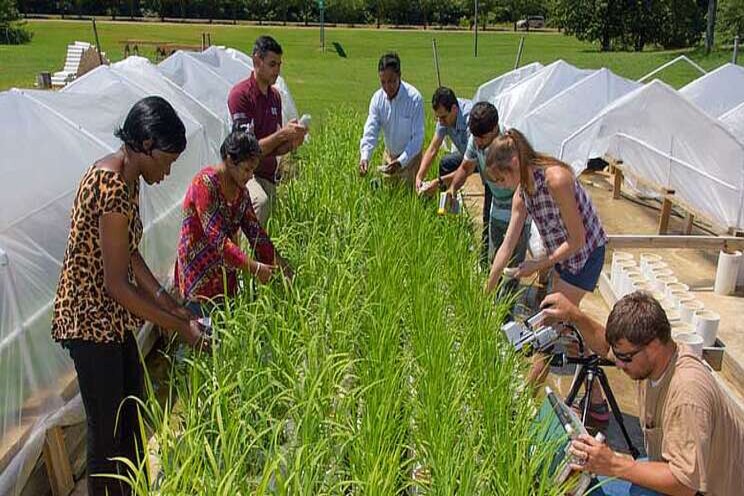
{"x":628,"y":357}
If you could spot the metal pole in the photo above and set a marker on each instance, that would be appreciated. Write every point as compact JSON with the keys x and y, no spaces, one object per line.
{"x":519,"y":52}
{"x":475,"y":48}
{"x":736,"y":49}
{"x":322,"y":25}
{"x":98,"y":43}
{"x":436,"y":61}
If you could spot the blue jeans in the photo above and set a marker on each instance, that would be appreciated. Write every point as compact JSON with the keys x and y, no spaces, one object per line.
{"x":617,"y":487}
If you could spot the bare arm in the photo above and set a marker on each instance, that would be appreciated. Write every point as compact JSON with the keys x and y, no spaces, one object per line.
{"x":146,"y":281}
{"x":114,"y":241}
{"x":460,"y":175}
{"x":600,"y":459}
{"x":513,"y":233}
{"x":429,"y":156}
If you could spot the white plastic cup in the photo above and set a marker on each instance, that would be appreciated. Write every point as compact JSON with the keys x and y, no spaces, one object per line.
{"x":706,"y":323}
{"x":679,"y":327}
{"x":655,"y":273}
{"x":679,"y":297}
{"x":618,"y":256}
{"x":648,"y":257}
{"x":693,"y":340}
{"x":675,"y":286}
{"x":651,"y":266}
{"x":631,"y":277}
{"x":660,"y":283}
{"x":687,"y":310}
{"x":727,"y":272}
{"x":621,"y":267}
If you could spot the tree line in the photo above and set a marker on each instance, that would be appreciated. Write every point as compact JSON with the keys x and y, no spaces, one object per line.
{"x":612,"y":24}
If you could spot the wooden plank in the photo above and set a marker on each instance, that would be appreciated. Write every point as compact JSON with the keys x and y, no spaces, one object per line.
{"x":666,"y":212}
{"x":57,"y":463}
{"x":689,"y":221}
{"x":617,"y":185}
{"x":621,"y":241}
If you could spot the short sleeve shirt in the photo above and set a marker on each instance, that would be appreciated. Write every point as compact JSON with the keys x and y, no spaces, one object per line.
{"x":83,"y":309}
{"x":501,"y":198}
{"x":691,"y":424}
{"x":260,"y":114}
{"x":460,"y":133}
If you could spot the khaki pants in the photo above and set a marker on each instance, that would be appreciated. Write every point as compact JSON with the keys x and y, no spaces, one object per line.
{"x":263,"y":198}
{"x":407,"y":174}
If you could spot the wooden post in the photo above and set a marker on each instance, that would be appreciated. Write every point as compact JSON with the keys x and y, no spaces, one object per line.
{"x":666,"y":211}
{"x":57,"y":463}
{"x":617,"y":184}
{"x":689,"y":220}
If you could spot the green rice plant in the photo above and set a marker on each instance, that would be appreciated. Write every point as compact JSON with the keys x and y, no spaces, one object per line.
{"x":380,"y":370}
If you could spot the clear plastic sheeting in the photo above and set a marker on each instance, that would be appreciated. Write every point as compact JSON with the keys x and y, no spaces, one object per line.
{"x":672,"y":137}
{"x":552,"y":122}
{"x":718,"y":91}
{"x":734,"y":121}
{"x":491,"y":89}
{"x":516,"y":102}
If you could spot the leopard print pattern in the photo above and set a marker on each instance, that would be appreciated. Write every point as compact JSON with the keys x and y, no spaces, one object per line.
{"x":83,"y":308}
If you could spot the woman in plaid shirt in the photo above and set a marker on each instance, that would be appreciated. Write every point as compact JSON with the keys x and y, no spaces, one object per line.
{"x":548,"y":191}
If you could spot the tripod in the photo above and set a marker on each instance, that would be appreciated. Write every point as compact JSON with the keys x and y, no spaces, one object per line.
{"x":589,"y":369}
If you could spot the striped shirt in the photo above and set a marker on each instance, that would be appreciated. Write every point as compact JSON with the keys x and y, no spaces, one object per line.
{"x":402,"y":123}
{"x":501,"y":198}
{"x":459,"y":133}
{"x":547,"y":217}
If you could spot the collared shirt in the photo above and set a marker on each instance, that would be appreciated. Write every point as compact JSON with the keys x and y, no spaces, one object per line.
{"x":260,"y":114}
{"x":209,"y":254}
{"x":460,"y":133}
{"x":501,"y":198}
{"x":402,"y":122}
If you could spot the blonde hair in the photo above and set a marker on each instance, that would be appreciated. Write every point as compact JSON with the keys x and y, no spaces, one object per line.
{"x":513,"y":144}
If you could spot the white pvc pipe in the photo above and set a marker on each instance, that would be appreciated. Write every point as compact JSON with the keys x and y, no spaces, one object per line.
{"x":706,"y":323}
{"x":729,"y":266}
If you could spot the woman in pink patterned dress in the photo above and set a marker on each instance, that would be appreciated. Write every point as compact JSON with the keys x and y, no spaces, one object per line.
{"x":217,"y":206}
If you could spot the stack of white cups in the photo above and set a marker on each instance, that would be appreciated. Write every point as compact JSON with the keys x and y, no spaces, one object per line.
{"x":691,"y":323}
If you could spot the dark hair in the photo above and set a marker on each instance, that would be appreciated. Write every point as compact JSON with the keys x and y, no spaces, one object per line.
{"x":389,"y":61}
{"x":153,"y":118}
{"x":265,"y":44}
{"x":240,"y":146}
{"x":445,"y":98}
{"x":484,"y":118}
{"x":639,"y":319}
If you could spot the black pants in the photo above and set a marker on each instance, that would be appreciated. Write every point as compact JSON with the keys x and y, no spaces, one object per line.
{"x":108,"y":373}
{"x":450,"y":163}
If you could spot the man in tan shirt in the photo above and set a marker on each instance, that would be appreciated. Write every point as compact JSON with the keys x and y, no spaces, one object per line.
{"x":694,"y":433}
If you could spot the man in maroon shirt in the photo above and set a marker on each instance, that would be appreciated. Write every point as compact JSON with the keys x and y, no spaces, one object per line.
{"x":256,"y":106}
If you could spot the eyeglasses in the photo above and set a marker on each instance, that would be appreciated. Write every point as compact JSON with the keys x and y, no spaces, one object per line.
{"x":628,"y":357}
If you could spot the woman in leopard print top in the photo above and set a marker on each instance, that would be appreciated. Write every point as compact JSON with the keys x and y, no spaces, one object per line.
{"x":106,"y":290}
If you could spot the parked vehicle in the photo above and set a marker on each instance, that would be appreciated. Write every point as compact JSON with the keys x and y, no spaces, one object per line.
{"x":531,"y":22}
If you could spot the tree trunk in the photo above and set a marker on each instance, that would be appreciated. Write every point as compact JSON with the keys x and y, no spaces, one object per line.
{"x":710,"y":30}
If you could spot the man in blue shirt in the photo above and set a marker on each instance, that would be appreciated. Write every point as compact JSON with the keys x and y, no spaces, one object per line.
{"x":397,"y":108}
{"x":452,"y":121}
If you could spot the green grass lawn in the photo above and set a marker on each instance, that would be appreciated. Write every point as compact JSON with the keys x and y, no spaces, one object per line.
{"x":320,"y":80}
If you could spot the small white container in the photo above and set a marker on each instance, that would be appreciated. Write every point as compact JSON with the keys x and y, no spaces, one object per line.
{"x":659,"y":272}
{"x":706,"y":323}
{"x":679,"y":297}
{"x":647,"y":258}
{"x":693,"y":340}
{"x":660,"y":283}
{"x":727,"y":271}
{"x":631,"y":278}
{"x":687,"y":310}
{"x":620,"y":267}
{"x":650,"y":267}
{"x":675,"y":286}
{"x":679,"y":327}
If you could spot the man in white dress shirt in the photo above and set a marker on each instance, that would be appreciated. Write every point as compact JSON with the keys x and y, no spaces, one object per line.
{"x":397,"y":108}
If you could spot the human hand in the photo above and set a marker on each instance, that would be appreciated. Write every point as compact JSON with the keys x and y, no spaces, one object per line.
{"x":527,"y":268}
{"x":427,"y":188}
{"x":558,"y":308}
{"x":419,"y":182}
{"x":184,"y":313}
{"x":263,"y":272}
{"x":593,"y":456}
{"x":196,"y":337}
{"x":363,"y":167}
